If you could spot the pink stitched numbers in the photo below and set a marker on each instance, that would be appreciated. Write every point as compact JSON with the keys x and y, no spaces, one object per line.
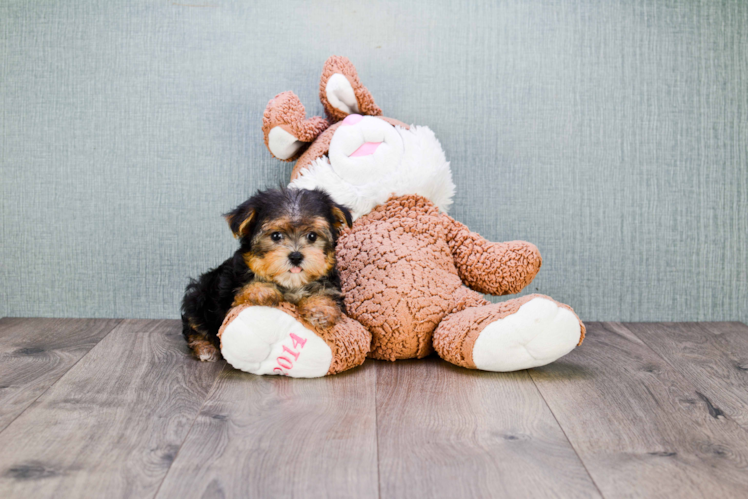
{"x":289,"y":357}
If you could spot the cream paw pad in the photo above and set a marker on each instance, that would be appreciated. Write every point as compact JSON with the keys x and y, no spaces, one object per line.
{"x":268,"y":341}
{"x":539,"y":333}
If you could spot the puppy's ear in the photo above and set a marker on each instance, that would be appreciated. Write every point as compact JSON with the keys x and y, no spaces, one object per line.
{"x":342,"y":217}
{"x":242,"y":219}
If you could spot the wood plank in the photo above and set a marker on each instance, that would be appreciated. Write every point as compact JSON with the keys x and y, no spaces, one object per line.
{"x":639,"y":426}
{"x":36,"y":352}
{"x":713,"y":356}
{"x":448,"y":432}
{"x":267,"y":437}
{"x":112,"y":425}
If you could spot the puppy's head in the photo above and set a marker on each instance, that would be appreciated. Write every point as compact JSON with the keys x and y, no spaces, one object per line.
{"x":288,"y":236}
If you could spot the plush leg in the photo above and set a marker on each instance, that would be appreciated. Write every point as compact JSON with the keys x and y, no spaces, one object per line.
{"x":529,"y":331}
{"x":278,"y":341}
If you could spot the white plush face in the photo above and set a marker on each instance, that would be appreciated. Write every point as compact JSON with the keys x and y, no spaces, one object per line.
{"x":364,"y":149}
{"x":370,"y":160}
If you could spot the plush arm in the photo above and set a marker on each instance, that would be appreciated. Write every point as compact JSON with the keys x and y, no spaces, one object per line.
{"x":493,"y":268}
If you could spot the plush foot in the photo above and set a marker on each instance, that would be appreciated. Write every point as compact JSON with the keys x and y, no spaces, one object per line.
{"x":539,"y":333}
{"x":514,"y":335}
{"x":268,"y":341}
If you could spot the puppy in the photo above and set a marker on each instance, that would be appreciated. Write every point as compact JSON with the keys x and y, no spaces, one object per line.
{"x":286,"y":253}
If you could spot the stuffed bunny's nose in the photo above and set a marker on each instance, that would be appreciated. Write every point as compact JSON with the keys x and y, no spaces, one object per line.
{"x":352,"y":119}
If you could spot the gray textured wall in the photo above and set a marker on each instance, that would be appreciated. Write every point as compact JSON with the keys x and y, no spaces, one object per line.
{"x":614,"y":135}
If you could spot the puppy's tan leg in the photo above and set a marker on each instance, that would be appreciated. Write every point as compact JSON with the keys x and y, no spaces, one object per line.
{"x":321,"y":311}
{"x":258,"y":294}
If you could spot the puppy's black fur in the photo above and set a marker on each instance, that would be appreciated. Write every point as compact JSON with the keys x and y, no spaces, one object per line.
{"x":208,"y":298}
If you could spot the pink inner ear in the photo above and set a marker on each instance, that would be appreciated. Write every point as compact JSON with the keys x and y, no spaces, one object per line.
{"x":366,"y":149}
{"x":352,"y":119}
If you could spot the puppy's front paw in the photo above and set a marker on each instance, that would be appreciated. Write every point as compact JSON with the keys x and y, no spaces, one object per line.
{"x":321,"y":312}
{"x":320,"y":320}
{"x":258,"y":294}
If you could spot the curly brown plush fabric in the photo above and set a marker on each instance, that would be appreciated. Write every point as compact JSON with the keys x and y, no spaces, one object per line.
{"x":493,"y":268}
{"x":402,"y":268}
{"x":286,"y":111}
{"x":348,"y":340}
{"x":341,"y":65}
{"x":318,"y":149}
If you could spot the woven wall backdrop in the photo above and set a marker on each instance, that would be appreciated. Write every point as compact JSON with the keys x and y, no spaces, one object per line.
{"x":614,"y":135}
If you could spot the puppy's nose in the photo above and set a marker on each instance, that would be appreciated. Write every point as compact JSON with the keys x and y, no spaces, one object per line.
{"x":295,"y":258}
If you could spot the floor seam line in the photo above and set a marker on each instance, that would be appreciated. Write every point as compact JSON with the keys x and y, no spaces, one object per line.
{"x":589,"y":474}
{"x":118,"y":323}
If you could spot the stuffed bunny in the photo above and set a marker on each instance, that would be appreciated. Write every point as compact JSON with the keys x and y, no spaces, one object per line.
{"x":412,"y":276}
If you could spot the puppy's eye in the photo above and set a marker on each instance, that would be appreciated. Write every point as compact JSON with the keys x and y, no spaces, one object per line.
{"x":276,"y":236}
{"x":312,"y":237}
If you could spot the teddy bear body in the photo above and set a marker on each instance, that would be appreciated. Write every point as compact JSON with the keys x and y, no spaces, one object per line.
{"x":398,"y":277}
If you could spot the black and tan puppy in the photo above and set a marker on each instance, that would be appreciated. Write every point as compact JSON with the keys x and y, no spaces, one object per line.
{"x":287,"y":253}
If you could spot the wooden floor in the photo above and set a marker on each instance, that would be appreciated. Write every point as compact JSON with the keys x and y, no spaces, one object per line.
{"x":117,"y":408}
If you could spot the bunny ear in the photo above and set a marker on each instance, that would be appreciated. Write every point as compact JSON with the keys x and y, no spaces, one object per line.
{"x":286,"y":129}
{"x":342,"y":93}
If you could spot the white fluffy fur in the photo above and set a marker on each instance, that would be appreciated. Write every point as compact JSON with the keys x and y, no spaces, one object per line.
{"x":423,"y":170}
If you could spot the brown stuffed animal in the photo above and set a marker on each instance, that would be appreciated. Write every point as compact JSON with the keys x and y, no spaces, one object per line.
{"x":412,"y":276}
